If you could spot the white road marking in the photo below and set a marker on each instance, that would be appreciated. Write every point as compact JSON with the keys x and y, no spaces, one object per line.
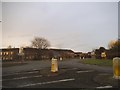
{"x":104,"y":87}
{"x":104,"y":74}
{"x":84,"y":71}
{"x":22,"y":78}
{"x":75,"y":68}
{"x":42,"y":83}
{"x":72,"y":69}
{"x":20,"y":73}
{"x":35,"y":69}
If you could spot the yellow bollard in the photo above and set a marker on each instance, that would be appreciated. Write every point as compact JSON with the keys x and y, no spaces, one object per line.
{"x":54,"y":65}
{"x":116,"y":67}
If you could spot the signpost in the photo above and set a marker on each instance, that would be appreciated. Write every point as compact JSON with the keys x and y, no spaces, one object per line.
{"x":21,"y":54}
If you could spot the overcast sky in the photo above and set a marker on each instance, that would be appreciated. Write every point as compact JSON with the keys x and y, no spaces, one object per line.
{"x":80,"y":26}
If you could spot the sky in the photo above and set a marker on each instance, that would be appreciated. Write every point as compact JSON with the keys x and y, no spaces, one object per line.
{"x":80,"y":26}
{"x":0,"y":24}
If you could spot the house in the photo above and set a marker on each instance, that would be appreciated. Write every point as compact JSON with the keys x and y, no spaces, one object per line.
{"x":63,"y":53}
{"x":78,"y":54}
{"x":34,"y":53}
{"x":9,"y":54}
{"x":31,"y":54}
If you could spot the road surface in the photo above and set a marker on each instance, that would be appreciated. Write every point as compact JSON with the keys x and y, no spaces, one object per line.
{"x":71,"y":74}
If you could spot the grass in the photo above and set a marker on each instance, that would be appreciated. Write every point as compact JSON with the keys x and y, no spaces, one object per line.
{"x":100,"y":62}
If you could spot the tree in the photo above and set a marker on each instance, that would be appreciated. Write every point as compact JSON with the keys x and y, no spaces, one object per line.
{"x":9,"y":46}
{"x":114,"y":49}
{"x":40,"y":43}
{"x":98,"y":52}
{"x":102,"y":49}
{"x":114,"y":45}
{"x":111,"y":44}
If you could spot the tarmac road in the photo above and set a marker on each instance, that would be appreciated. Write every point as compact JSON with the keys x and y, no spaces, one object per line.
{"x":65,"y":78}
{"x":72,"y":63}
{"x":71,"y":74}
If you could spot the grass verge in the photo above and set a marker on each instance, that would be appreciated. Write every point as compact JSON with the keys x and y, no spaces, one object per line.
{"x":100,"y":62}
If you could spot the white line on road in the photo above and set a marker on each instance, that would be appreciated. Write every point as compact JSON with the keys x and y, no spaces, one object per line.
{"x":22,"y":78}
{"x":21,"y":73}
{"x":42,"y":83}
{"x":103,"y":74}
{"x":71,"y":68}
{"x":104,"y":87}
{"x":84,"y":71}
{"x":35,"y":69}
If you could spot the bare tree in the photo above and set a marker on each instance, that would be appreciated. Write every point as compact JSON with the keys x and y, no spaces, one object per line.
{"x":41,"y":43}
{"x":9,"y":46}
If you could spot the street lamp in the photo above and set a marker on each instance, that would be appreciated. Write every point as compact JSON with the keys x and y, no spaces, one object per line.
{"x":21,"y":53}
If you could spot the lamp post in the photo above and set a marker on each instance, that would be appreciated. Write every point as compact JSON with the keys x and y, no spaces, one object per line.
{"x":21,"y":54}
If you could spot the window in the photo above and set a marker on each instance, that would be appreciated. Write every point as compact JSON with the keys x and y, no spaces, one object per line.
{"x":11,"y":53}
{"x":3,"y":58}
{"x":30,"y":57}
{"x":11,"y":58}
{"x":4,"y":53}
{"x":26,"y":57}
{"x":7,"y":53}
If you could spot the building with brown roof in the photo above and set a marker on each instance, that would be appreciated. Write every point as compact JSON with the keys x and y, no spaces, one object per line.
{"x":9,"y":54}
{"x":34,"y":54}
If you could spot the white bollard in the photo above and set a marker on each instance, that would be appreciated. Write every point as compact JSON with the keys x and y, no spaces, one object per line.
{"x":54,"y":65}
{"x":80,"y":57}
{"x":83,"y":58}
{"x":116,"y":68}
{"x":60,"y":59}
